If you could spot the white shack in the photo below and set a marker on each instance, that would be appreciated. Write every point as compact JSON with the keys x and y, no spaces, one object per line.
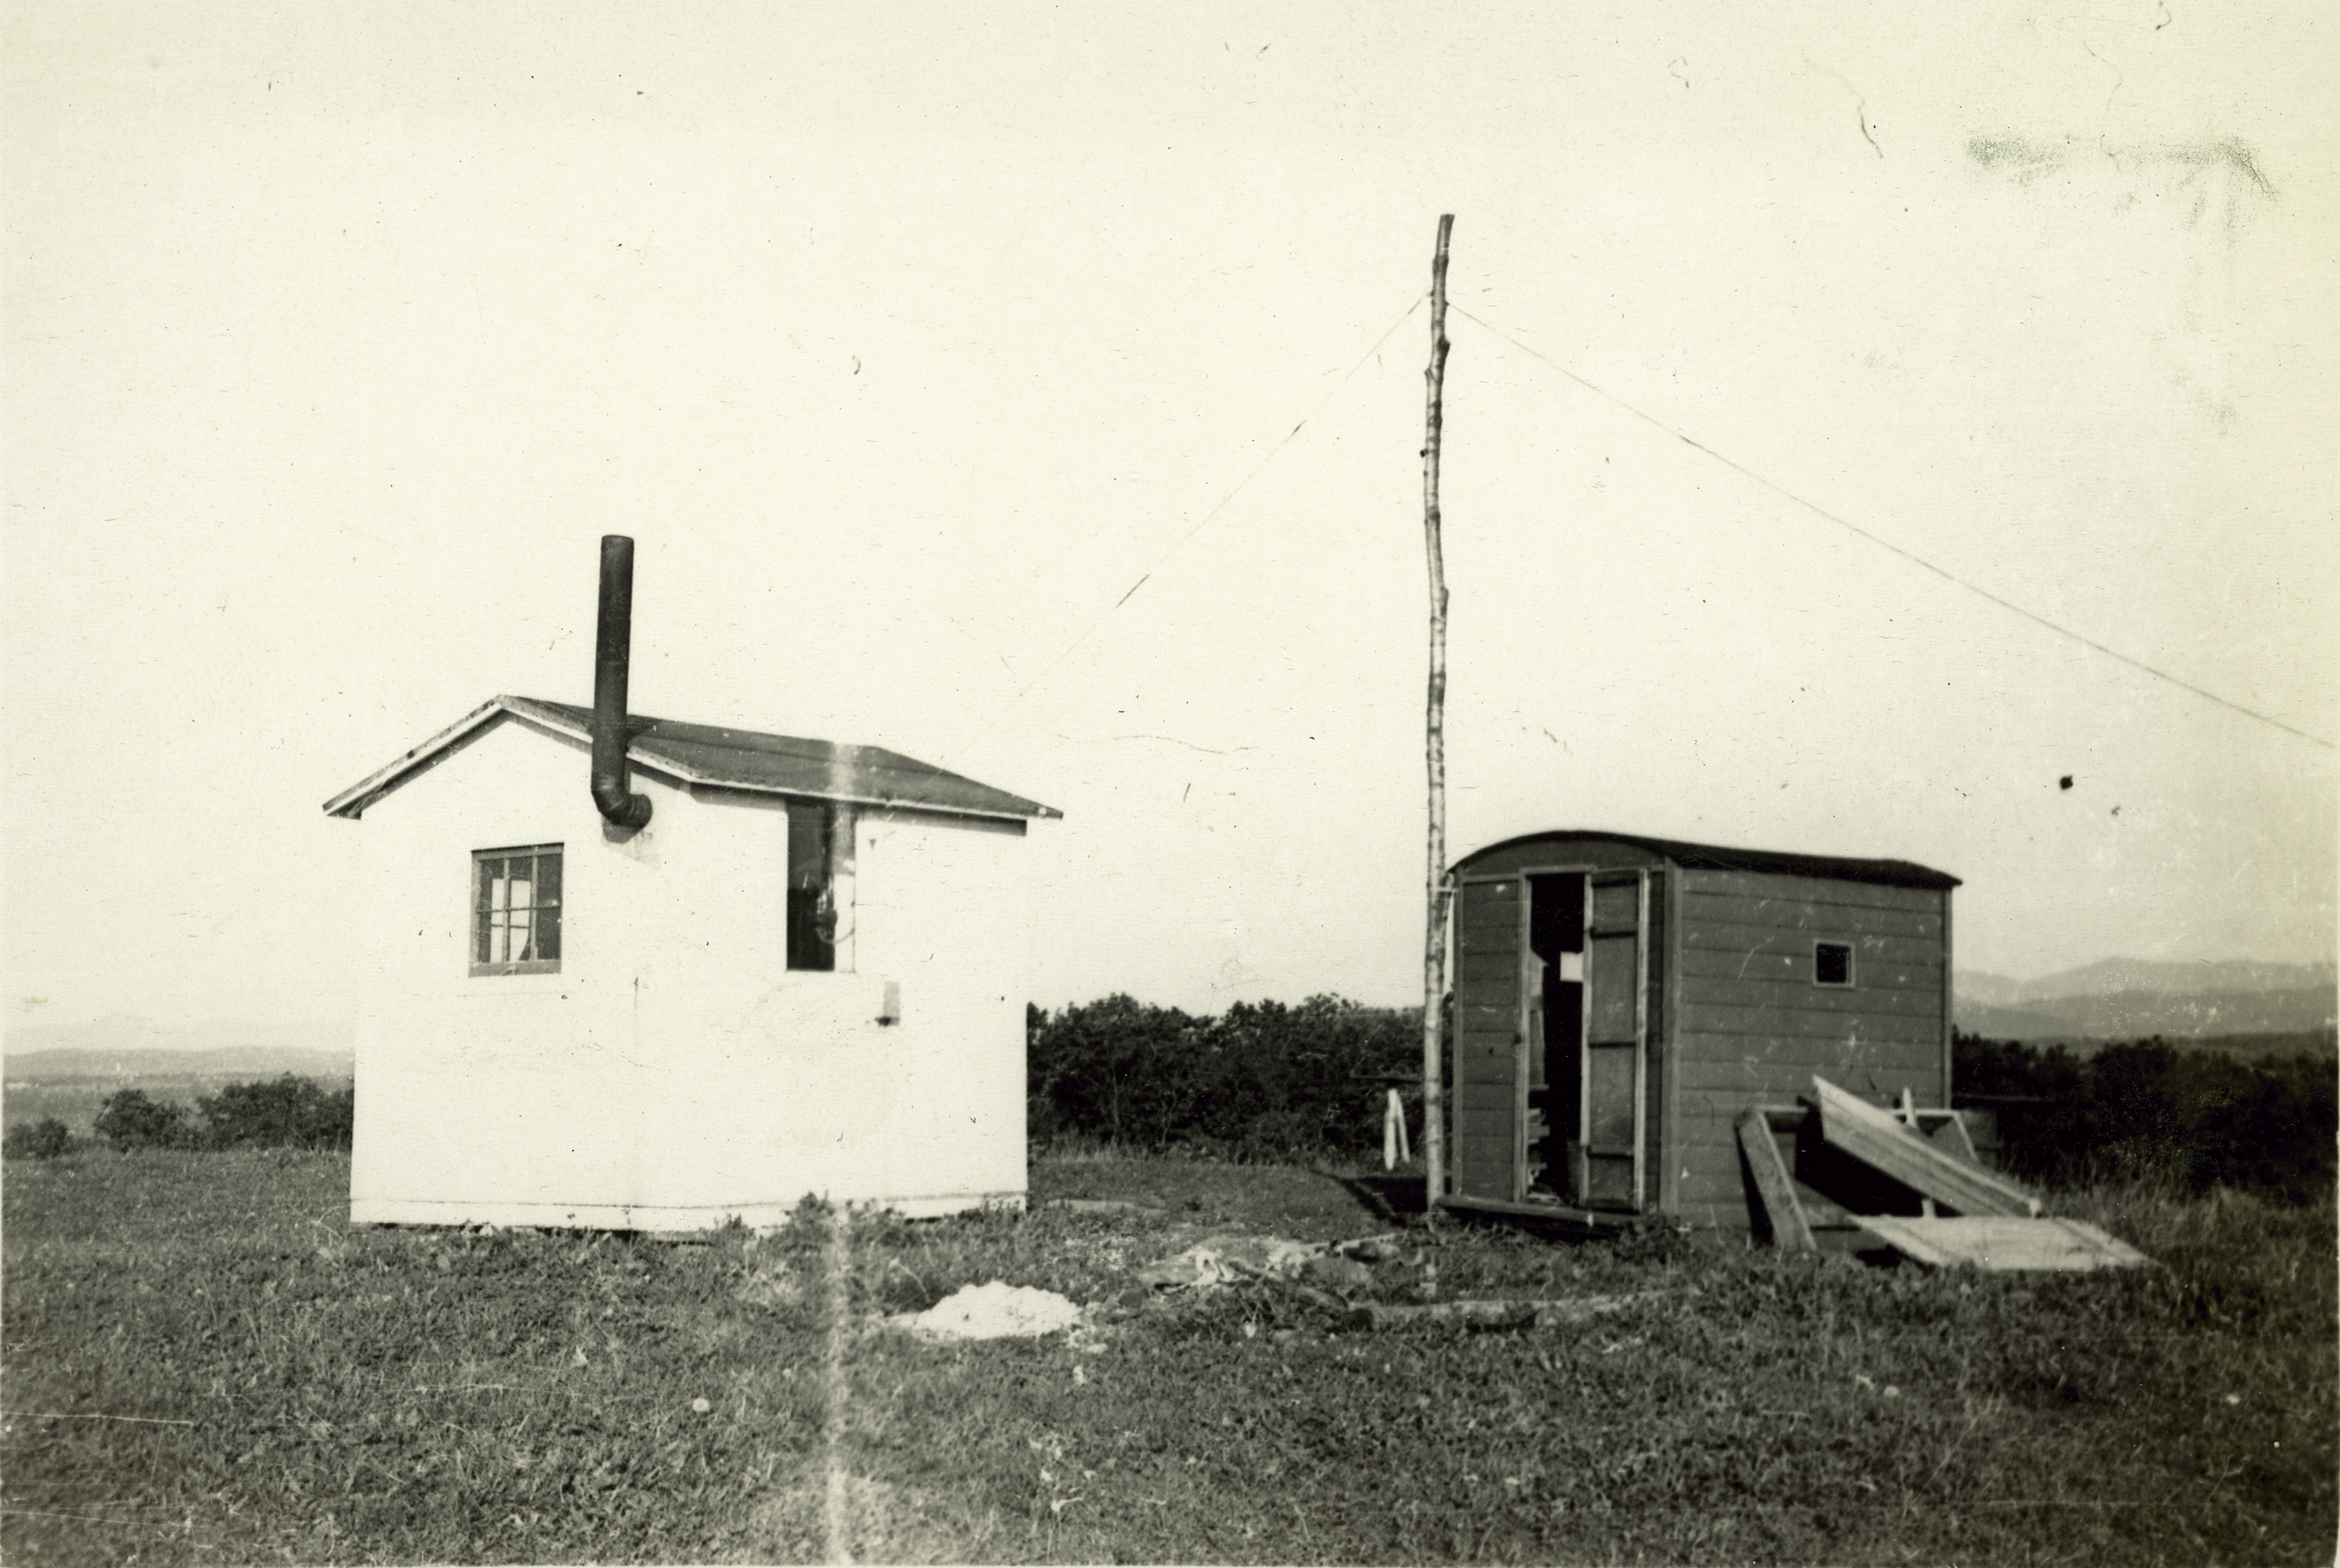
{"x":624,"y":973}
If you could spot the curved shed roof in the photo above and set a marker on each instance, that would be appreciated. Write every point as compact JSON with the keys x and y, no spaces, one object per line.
{"x":1721,"y":858}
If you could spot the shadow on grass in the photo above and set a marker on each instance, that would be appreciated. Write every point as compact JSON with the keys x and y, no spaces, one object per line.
{"x":1401,"y":1199}
{"x":1397,"y":1199}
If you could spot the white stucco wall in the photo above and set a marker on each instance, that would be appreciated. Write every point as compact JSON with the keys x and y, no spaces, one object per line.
{"x":675,"y":1073}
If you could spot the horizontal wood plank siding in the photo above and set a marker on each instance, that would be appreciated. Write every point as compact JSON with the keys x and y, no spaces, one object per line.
{"x":1874,"y":994}
{"x":1753,"y":1027}
{"x":1707,"y":1167}
{"x":1809,"y":1023}
{"x":1718,"y":1107}
{"x":1490,"y":932}
{"x":1812,"y":919}
{"x":1762,"y":886}
{"x":1912,"y":963}
{"x":1785,"y":1075}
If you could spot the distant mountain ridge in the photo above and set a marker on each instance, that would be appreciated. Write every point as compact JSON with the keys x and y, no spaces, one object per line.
{"x":149,"y":1068}
{"x":2132,"y":998}
{"x":131,"y":1051}
{"x":121,"y":1032}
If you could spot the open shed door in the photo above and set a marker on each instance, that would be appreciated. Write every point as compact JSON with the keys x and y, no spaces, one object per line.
{"x":1490,"y":1090}
{"x":1616,"y":1029}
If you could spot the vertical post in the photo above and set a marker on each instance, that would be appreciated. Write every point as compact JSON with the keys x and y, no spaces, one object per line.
{"x":1949,"y":1028}
{"x":1434,"y":957}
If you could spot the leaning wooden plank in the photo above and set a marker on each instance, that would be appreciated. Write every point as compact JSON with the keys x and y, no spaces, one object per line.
{"x":2000,"y":1244}
{"x":1872,"y":1136}
{"x":1791,"y":1232}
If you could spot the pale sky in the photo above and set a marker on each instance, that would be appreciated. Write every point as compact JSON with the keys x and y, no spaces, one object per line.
{"x":904,"y":345}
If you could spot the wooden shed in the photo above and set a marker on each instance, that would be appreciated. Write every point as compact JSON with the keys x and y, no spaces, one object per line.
{"x":1620,"y":1001}
{"x":622,"y":972}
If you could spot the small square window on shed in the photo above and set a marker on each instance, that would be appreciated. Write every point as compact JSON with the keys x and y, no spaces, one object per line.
{"x":1832,"y":963}
{"x":820,"y":886}
{"x":516,"y":911}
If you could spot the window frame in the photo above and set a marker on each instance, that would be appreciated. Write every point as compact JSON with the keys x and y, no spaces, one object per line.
{"x":1851,"y":978}
{"x":837,"y":824}
{"x":482,"y":925}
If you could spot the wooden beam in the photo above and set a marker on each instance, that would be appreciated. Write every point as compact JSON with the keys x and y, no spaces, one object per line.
{"x":1874,"y":1138}
{"x":1791,"y":1232}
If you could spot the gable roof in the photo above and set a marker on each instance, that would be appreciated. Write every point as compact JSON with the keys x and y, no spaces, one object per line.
{"x":730,"y":758}
{"x":1719,"y":857}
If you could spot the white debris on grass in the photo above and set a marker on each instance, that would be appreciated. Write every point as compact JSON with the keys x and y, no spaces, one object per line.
{"x":1219,"y":1260}
{"x":993,"y":1311}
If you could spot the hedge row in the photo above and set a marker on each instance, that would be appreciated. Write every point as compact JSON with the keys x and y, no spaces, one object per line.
{"x":1267,"y":1081}
{"x":42,"y":1140}
{"x":1260,"y":1081}
{"x":2148,"y":1109}
{"x":291,"y":1112}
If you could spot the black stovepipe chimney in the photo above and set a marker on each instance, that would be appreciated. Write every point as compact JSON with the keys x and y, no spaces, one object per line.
{"x":613,"y":779}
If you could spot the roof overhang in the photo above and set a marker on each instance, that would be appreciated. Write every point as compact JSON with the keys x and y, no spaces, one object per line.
{"x":838,"y":786}
{"x":354,"y":800}
{"x":1725,"y":857}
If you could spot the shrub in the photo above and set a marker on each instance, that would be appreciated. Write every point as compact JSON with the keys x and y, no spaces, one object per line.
{"x":292,"y":1112}
{"x":1264,"y":1080}
{"x":129,"y":1120}
{"x":42,"y":1140}
{"x":2148,"y":1110}
{"x":2274,"y":1134}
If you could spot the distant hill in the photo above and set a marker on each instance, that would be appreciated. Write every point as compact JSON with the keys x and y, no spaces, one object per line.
{"x":120,"y":1032}
{"x":73,"y":1086}
{"x":76,"y":1084}
{"x":2131,"y":998}
{"x":67,"y":1070}
{"x":149,"y":1068}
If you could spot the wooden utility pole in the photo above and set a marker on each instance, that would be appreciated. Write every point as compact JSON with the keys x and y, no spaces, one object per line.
{"x":1434,"y":957}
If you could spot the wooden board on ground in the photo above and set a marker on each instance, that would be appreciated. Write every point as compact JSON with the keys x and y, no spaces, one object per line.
{"x":1873,"y":1137}
{"x":2002,"y":1244}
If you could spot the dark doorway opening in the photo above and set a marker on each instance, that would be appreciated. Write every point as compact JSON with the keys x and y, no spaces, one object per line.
{"x":1556,"y":1036}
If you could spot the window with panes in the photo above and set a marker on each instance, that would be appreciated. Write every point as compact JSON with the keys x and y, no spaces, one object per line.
{"x":516,"y":911}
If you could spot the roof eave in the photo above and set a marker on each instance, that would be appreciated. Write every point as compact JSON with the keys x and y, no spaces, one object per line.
{"x":1724,"y":857}
{"x":665,"y":762}
{"x":352,"y":801}
{"x":879,"y":802}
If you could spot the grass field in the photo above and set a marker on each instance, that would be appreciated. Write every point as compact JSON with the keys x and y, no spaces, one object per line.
{"x":205,"y":1363}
